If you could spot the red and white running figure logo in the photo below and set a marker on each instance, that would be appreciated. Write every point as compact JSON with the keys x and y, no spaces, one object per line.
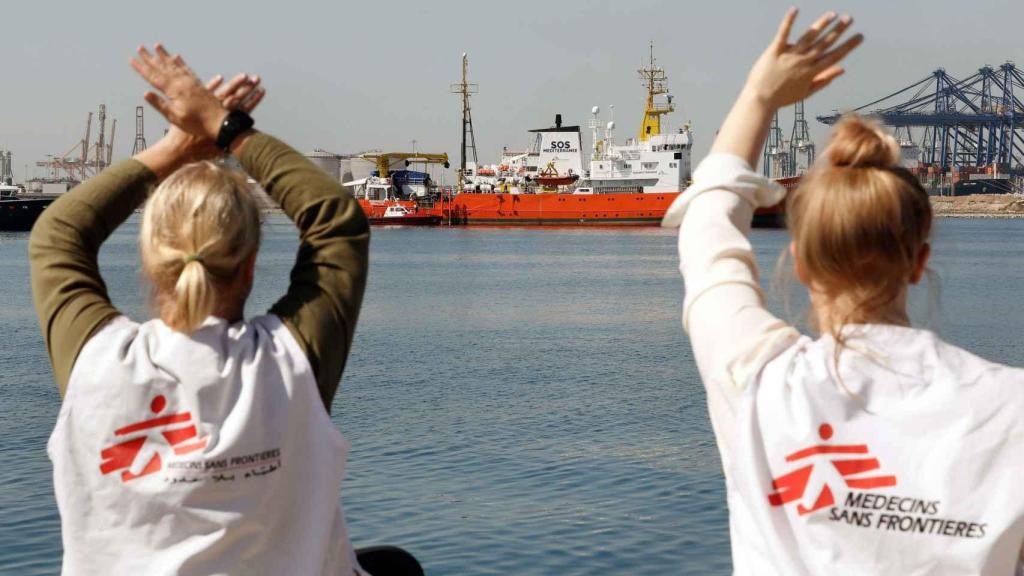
{"x":793,"y":486}
{"x":178,"y":431}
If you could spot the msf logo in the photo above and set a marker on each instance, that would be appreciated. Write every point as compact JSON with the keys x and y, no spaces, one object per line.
{"x":851,"y":469}
{"x":139,"y":454}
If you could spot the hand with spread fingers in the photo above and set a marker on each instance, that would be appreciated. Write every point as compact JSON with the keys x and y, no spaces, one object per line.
{"x":785,"y":73}
{"x":788,"y":72}
{"x":194,"y":110}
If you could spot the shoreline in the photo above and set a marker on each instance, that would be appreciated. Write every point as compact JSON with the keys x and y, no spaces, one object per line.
{"x":1005,"y":206}
{"x":970,"y":216}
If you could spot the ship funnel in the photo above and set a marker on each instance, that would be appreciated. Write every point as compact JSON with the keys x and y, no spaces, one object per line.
{"x":558,"y":120}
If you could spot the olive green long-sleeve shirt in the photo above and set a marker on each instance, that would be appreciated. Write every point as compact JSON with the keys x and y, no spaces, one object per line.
{"x":320,"y":308}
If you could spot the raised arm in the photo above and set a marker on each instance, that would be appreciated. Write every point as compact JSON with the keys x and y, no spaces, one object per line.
{"x":724,"y":312}
{"x":327,"y":281}
{"x":69,"y":294}
{"x":329,"y":276}
{"x":785,"y":73}
{"x":70,"y":297}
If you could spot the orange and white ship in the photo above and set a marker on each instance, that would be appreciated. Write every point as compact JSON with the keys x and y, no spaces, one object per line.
{"x":624,"y":184}
{"x":547,"y":184}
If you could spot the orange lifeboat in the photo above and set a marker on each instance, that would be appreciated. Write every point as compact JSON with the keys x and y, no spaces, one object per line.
{"x":550,"y":178}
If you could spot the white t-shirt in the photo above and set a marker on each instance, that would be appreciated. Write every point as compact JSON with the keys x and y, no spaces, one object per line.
{"x":203,"y":454}
{"x":906,"y":459}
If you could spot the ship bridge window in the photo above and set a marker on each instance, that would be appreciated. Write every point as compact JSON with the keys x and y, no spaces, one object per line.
{"x":672,"y":164}
{"x":649,"y":165}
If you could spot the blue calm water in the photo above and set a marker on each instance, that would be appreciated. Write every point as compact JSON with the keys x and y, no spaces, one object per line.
{"x":519,"y":401}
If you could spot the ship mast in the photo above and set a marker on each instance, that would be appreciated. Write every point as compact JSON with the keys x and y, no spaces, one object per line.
{"x":656,"y":82}
{"x":465,"y":88}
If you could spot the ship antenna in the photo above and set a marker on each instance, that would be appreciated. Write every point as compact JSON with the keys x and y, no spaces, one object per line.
{"x":464,"y":89}
{"x":595,"y":135}
{"x":609,"y":132}
{"x":656,"y":82}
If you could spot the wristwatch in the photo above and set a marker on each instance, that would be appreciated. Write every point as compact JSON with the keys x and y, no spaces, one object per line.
{"x":235,"y":123}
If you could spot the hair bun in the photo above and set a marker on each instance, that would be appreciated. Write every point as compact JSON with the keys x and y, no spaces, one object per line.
{"x":858,"y":143}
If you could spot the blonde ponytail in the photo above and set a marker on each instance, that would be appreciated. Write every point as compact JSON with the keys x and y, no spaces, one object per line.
{"x":194,"y":297}
{"x":199,"y":228}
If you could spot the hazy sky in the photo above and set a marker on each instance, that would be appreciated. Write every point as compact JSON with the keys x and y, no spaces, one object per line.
{"x":348,"y":76}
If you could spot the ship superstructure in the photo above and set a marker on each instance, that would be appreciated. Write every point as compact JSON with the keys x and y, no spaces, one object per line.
{"x":653,"y":162}
{"x":657,"y":163}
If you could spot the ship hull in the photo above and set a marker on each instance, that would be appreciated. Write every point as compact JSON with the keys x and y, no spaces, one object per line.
{"x":416,"y":220}
{"x":555,"y":209}
{"x":503,"y":209}
{"x":983,"y":186}
{"x":628,"y":209}
{"x":19,"y":214}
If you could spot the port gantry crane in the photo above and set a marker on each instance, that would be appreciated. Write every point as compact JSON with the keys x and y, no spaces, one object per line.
{"x":975,"y":122}
{"x":783,"y":158}
{"x":801,"y":147}
{"x":776,"y":161}
{"x":92,"y":157}
{"x":140,"y":131}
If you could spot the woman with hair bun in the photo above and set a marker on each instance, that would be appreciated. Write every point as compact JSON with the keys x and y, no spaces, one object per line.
{"x":876,"y":448}
{"x":200,"y":442}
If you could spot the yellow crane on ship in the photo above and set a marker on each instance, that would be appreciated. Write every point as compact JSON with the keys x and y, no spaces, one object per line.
{"x":384,"y":159}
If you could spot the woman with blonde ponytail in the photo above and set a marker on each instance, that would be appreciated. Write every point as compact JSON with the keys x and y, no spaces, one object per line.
{"x":200,"y":442}
{"x":199,"y":229}
{"x":876,"y":448}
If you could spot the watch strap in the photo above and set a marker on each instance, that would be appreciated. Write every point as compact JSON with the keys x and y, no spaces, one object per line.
{"x":234,"y":124}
